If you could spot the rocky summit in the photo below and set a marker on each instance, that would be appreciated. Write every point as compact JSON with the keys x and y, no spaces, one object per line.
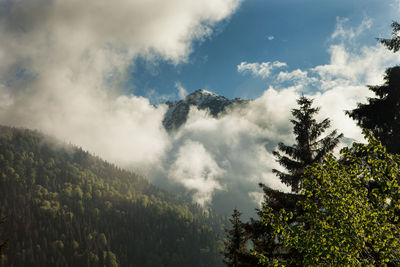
{"x":178,"y":111}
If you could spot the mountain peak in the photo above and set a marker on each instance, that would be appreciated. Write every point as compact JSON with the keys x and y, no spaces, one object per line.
{"x":203,"y":92}
{"x":202,"y":99}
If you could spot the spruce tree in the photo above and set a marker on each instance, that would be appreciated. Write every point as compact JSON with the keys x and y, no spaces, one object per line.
{"x":381,"y":115}
{"x":343,"y":222}
{"x":393,"y":43}
{"x":3,"y":244}
{"x":308,"y":148}
{"x":236,"y":243}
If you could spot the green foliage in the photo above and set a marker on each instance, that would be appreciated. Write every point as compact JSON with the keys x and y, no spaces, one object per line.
{"x":110,"y":260}
{"x":350,"y":214}
{"x":65,"y":207}
{"x":308,"y":148}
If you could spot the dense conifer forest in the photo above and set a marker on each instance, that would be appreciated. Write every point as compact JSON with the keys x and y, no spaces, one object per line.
{"x":62,"y":206}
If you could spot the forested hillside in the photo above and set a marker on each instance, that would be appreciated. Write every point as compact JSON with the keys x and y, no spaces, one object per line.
{"x":65,"y":207}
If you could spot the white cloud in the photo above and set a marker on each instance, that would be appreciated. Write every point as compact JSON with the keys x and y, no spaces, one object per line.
{"x":241,"y":143}
{"x":364,"y":67}
{"x":294,"y":75}
{"x":195,"y":168}
{"x":156,"y":97}
{"x":342,"y":82}
{"x":75,"y":59}
{"x":349,"y":33}
{"x":236,"y":144}
{"x":257,"y":197}
{"x":62,"y":64}
{"x":181,"y":90}
{"x":297,"y":77}
{"x":270,"y":38}
{"x":262,"y":70}
{"x":396,"y":4}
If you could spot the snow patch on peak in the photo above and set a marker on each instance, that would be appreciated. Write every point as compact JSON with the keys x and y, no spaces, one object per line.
{"x":202,"y":99}
{"x":204,"y":91}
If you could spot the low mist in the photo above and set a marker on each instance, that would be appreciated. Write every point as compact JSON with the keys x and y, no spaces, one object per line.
{"x":63,"y":70}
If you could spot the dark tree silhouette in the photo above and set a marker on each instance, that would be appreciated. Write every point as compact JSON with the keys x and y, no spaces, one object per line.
{"x":236,"y":244}
{"x":308,"y":148}
{"x":381,"y":115}
{"x":393,"y":43}
{"x":3,"y":244}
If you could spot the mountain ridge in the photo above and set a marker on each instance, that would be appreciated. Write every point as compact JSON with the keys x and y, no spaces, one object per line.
{"x":65,"y":207}
{"x":216,"y":105}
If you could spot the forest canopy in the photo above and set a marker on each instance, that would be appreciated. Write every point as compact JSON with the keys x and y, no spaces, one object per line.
{"x":65,"y":207}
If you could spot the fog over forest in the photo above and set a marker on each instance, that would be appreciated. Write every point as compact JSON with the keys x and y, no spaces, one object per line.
{"x":64,"y":70}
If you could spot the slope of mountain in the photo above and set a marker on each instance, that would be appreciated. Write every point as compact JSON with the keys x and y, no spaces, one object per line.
{"x":202,"y":99}
{"x":65,"y":207}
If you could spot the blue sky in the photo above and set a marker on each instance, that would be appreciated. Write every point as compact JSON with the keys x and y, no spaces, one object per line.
{"x":299,"y":32}
{"x":91,"y":78}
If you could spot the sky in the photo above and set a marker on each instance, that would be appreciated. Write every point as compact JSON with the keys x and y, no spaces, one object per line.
{"x":295,"y":32}
{"x":89,"y":73}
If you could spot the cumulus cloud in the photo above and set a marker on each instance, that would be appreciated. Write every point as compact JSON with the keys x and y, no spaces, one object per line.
{"x":236,"y":148}
{"x":63,"y":68}
{"x":241,"y":142}
{"x":349,"y":33}
{"x":365,"y":66}
{"x":262,"y":70}
{"x":63,"y":64}
{"x":233,"y":153}
{"x":341,"y":84}
{"x":297,"y":76}
{"x":181,"y":90}
{"x":195,"y":168}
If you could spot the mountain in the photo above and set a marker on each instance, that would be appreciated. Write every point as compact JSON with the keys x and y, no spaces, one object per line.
{"x":65,"y":207}
{"x":178,"y":111}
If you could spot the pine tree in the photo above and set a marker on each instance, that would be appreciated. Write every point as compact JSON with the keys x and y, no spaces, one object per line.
{"x":381,"y":114}
{"x":308,"y":148}
{"x":236,"y":244}
{"x":3,"y":244}
{"x":261,"y":235}
{"x":393,"y":43}
{"x":343,"y":222}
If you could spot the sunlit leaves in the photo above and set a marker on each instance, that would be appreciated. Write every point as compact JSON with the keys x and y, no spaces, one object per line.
{"x":350,"y":212}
